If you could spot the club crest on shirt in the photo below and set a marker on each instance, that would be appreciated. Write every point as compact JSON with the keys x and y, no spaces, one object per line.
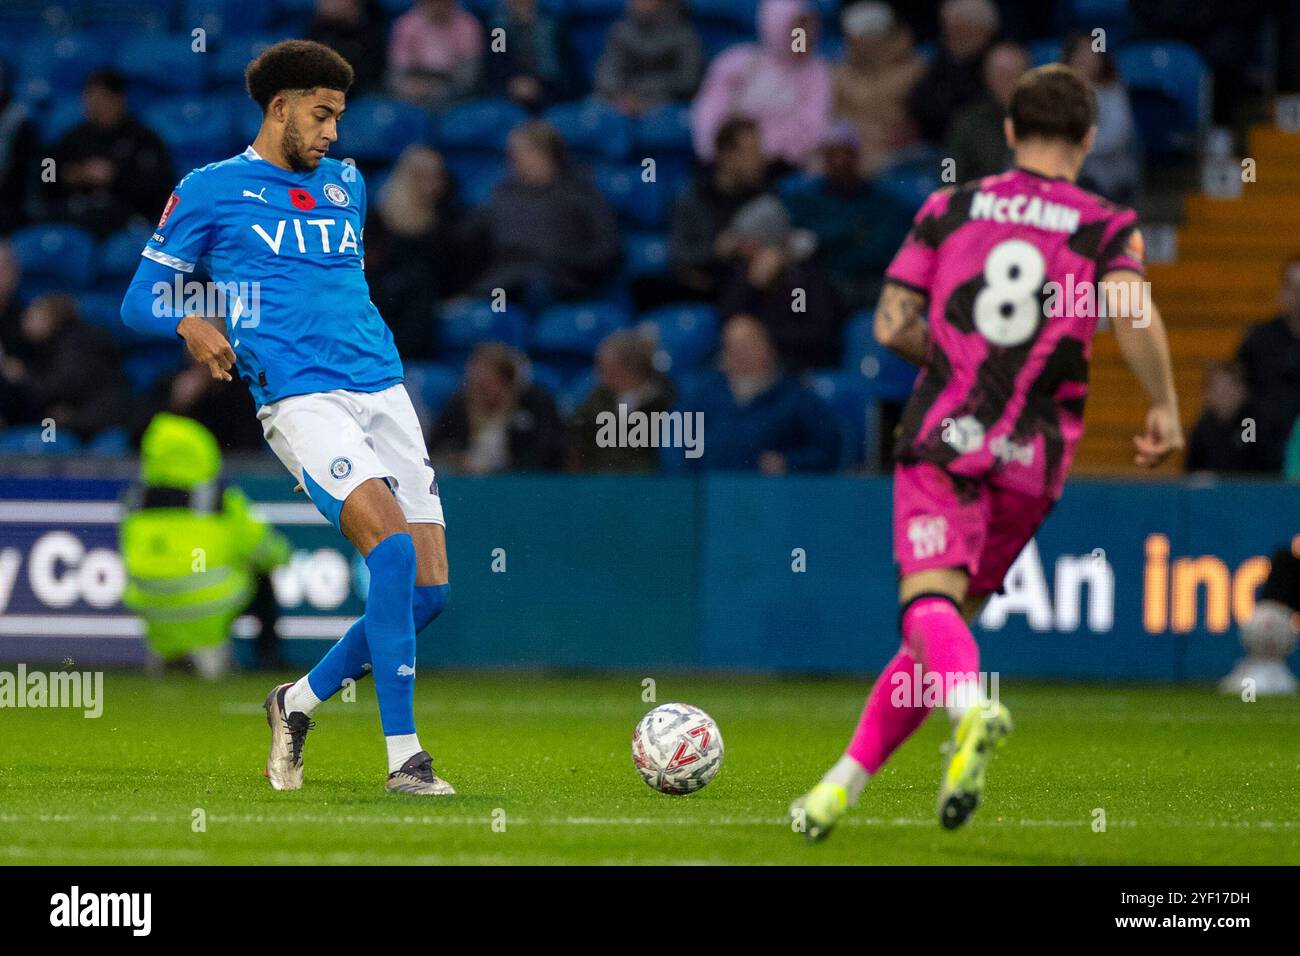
{"x":337,"y":194}
{"x":340,"y":468}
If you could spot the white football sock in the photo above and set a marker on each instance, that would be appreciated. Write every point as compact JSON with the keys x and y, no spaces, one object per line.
{"x":401,"y":748}
{"x":300,"y":698}
{"x":850,"y":775}
{"x":962,"y":697}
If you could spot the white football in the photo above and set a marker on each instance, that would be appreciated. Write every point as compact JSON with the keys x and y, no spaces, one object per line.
{"x":677,"y":748}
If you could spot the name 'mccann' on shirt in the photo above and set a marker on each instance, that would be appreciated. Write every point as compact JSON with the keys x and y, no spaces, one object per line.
{"x":295,"y":240}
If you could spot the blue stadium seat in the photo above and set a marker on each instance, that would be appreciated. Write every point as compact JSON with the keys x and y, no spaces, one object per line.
{"x":102,"y":309}
{"x":119,"y":257}
{"x":195,"y":128}
{"x":164,"y":64}
{"x":792,"y":184}
{"x":567,"y":335}
{"x":636,"y":202}
{"x":574,"y":391}
{"x":1046,"y":51}
{"x":910,"y":184}
{"x":432,"y":384}
{"x":123,"y":18}
{"x":56,"y":255}
{"x":378,"y":128}
{"x":849,"y":396}
{"x":235,"y":53}
{"x":222,"y":18}
{"x":479,"y":126}
{"x":687,"y":334}
{"x":593,"y":129}
{"x":56,"y":65}
{"x":148,"y":362}
{"x":28,"y":440}
{"x":245,"y":117}
{"x":889,"y":377}
{"x":466,"y":323}
{"x":111,"y":441}
{"x":665,"y":130}
{"x":476,"y":178}
{"x":547,"y":376}
{"x":1169,"y":86}
{"x":645,"y":255}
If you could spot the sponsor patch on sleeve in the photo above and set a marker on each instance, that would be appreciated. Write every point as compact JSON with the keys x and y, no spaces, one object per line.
{"x":167,"y":209}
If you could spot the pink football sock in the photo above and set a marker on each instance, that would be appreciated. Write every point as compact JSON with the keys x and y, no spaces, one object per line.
{"x":891,"y":716}
{"x":935,"y":634}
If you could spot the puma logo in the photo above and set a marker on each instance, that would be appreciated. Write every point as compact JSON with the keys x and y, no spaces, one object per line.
{"x":255,"y":195}
{"x":405,"y":670}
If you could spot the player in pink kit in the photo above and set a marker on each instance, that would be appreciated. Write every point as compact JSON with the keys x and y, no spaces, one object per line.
{"x":996,"y":294}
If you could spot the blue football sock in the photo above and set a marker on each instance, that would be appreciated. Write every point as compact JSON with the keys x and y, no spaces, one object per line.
{"x":390,"y":631}
{"x":350,"y":655}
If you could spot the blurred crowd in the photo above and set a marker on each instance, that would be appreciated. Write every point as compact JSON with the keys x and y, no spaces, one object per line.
{"x":794,"y":133}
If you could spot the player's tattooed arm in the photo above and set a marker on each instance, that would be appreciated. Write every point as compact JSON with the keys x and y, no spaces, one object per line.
{"x":900,"y":322}
{"x":1140,"y":334}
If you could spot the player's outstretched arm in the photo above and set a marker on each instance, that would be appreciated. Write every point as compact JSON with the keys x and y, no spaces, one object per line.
{"x":900,"y":323}
{"x":1140,"y":332}
{"x":147,"y":308}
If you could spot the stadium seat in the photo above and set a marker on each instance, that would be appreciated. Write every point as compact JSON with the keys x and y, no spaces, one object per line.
{"x":165,"y":64}
{"x":567,"y":335}
{"x":432,"y":384}
{"x":849,"y":396}
{"x":194,"y":128}
{"x":148,"y":362}
{"x":119,"y":257}
{"x":111,"y":441}
{"x":687,"y":334}
{"x":234,"y":54}
{"x":378,"y":128}
{"x":464,"y":324}
{"x":593,"y":129}
{"x":889,"y":377}
{"x":245,"y":117}
{"x":102,"y":309}
{"x":574,"y":391}
{"x":478,"y":126}
{"x":1169,"y":86}
{"x":476,"y":178}
{"x":123,"y":18}
{"x":56,"y":65}
{"x":909,"y":183}
{"x":665,"y":130}
{"x":645,"y":255}
{"x":637,"y":202}
{"x":29,"y":440}
{"x":1046,"y":51}
{"x":56,"y":255}
{"x":222,"y":18}
{"x":792,"y":184}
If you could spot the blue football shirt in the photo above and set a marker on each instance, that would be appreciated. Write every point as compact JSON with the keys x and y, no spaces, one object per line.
{"x":288,"y":247}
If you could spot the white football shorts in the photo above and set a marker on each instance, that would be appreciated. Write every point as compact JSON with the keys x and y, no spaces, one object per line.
{"x":333,"y":441}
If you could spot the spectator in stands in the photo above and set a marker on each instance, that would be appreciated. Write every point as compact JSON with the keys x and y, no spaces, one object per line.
{"x":755,"y":418}
{"x":1112,"y":167}
{"x":546,"y":233}
{"x":111,"y":168}
{"x":976,"y":141}
{"x":1224,"y":438}
{"x":20,"y":156}
{"x":497,"y":422}
{"x":411,"y":261}
{"x":626,"y":375}
{"x":435,"y":53}
{"x":531,"y":69}
{"x":699,"y":246}
{"x":73,"y":372}
{"x":224,"y":408}
{"x":967,"y":29}
{"x":652,"y":56}
{"x":355,"y":28}
{"x":11,"y":315}
{"x":1270,"y":355}
{"x":858,"y":226}
{"x":872,"y":84}
{"x":781,"y":82}
{"x":778,"y":283}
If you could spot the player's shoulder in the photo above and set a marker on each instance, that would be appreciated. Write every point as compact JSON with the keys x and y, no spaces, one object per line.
{"x":205,"y":178}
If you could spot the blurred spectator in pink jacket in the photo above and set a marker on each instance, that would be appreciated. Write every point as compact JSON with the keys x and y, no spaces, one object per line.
{"x":781,"y":82}
{"x":435,"y":53}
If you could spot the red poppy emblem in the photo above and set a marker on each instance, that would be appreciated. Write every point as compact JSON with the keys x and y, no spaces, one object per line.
{"x":301,"y":199}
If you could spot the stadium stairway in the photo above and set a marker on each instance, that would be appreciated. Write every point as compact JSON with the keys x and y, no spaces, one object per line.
{"x":1225,"y":279}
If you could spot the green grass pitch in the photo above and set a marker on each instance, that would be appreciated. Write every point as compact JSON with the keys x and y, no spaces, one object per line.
{"x":1183,"y":776}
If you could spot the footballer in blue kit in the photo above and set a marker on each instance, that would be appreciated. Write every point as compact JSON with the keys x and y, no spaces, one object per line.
{"x":279,"y":231}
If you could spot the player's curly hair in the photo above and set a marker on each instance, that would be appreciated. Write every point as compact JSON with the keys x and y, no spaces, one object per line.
{"x":296,"y":65}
